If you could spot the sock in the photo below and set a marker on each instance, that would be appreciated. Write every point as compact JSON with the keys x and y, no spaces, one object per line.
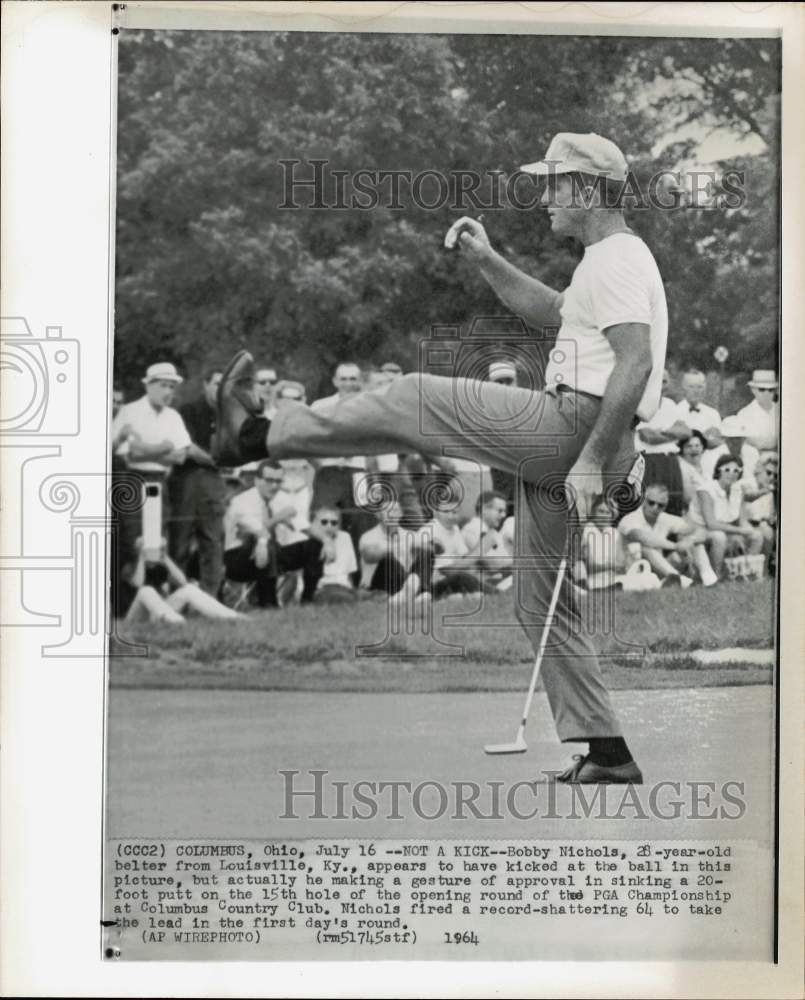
{"x":609,"y":751}
{"x":252,"y":438}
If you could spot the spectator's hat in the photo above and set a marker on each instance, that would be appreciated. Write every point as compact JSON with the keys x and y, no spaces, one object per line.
{"x":163,"y":371}
{"x":733,"y":427}
{"x":764,"y":378}
{"x":500,"y":370}
{"x":583,"y":153}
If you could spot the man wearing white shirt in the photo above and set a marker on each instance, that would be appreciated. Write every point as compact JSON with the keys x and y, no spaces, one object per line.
{"x":761,"y":418}
{"x":564,"y":443}
{"x":261,"y":544}
{"x":337,"y":478}
{"x":655,"y":437}
{"x":692,"y":414}
{"x":149,"y":437}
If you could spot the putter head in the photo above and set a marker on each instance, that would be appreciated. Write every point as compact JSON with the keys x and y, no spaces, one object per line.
{"x":519,"y":746}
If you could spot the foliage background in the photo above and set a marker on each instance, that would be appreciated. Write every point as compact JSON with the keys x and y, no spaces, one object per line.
{"x":207,"y":261}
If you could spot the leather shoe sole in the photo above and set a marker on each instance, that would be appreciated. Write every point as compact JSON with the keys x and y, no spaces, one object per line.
{"x":236,"y":400}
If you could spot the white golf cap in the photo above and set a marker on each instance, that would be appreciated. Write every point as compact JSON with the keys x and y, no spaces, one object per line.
{"x":584,"y":153}
{"x":163,"y":371}
{"x":502,"y":369}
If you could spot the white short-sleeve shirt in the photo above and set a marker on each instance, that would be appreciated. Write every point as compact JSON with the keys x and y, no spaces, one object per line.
{"x":152,"y":427}
{"x":617,"y":281}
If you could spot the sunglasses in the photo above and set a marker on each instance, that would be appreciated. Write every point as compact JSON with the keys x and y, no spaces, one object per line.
{"x":759,"y":389}
{"x":656,"y":503}
{"x":504,"y":381}
{"x":267,"y":381}
{"x":327,"y":523}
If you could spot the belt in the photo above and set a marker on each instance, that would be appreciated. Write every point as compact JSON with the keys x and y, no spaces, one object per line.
{"x":562,"y":389}
{"x":576,"y":392}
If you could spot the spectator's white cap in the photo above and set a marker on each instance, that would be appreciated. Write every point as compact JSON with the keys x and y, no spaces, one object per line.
{"x":163,"y":371}
{"x":733,"y":427}
{"x":502,"y":369}
{"x":584,"y":153}
{"x":764,"y":378}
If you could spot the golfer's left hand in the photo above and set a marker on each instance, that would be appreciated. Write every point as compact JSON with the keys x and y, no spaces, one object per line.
{"x":583,"y":484}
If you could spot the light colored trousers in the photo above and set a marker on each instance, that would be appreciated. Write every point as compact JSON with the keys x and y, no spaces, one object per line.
{"x":535,"y":435}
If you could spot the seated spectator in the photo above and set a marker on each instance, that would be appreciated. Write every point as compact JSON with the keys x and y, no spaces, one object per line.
{"x":394,"y":557}
{"x":484,"y":541}
{"x":454,"y":571}
{"x":602,"y":549}
{"x":670,"y":558}
{"x":718,"y":509}
{"x":761,"y":511}
{"x":340,"y":564}
{"x":155,"y":589}
{"x":252,"y":551}
{"x":690,"y":464}
{"x":761,"y":417}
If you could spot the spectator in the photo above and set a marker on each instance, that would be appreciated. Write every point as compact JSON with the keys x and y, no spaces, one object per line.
{"x":150,"y":438}
{"x":734,"y":437}
{"x":484,"y":541}
{"x":761,"y":512}
{"x":454,"y":572}
{"x":376,"y":378}
{"x":266,"y":380}
{"x":391,"y":368}
{"x":118,"y":399}
{"x":602,"y":549}
{"x":252,"y":551}
{"x":157,"y":590}
{"x":653,"y":527}
{"x":503,"y":373}
{"x":394,"y":557}
{"x":718,"y":508}
{"x":340,"y":563}
{"x":336,"y":479}
{"x":658,"y":439}
{"x":655,"y":437}
{"x":761,"y":417}
{"x":692,"y":414}
{"x":198,"y":492}
{"x":690,"y":464}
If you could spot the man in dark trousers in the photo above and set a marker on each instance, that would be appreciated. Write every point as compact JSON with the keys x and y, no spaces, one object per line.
{"x":198,"y":492}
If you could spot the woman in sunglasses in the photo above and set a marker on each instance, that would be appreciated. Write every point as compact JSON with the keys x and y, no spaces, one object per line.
{"x":718,"y":507}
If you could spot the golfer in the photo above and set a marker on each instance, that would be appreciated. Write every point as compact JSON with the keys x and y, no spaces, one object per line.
{"x":581,"y":430}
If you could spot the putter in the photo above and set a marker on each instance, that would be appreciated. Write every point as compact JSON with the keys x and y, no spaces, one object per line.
{"x":519,"y":745}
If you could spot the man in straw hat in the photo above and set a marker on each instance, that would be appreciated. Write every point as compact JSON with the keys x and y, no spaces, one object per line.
{"x":150,"y":436}
{"x":566,"y":444}
{"x":761,"y":417}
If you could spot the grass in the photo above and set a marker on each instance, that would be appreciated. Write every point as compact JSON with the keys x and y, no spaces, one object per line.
{"x":313,"y":648}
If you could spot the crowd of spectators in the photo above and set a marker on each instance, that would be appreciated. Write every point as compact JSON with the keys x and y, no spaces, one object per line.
{"x":345,"y":529}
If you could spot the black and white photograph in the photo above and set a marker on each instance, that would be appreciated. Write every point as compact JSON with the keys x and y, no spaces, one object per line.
{"x":444,"y":524}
